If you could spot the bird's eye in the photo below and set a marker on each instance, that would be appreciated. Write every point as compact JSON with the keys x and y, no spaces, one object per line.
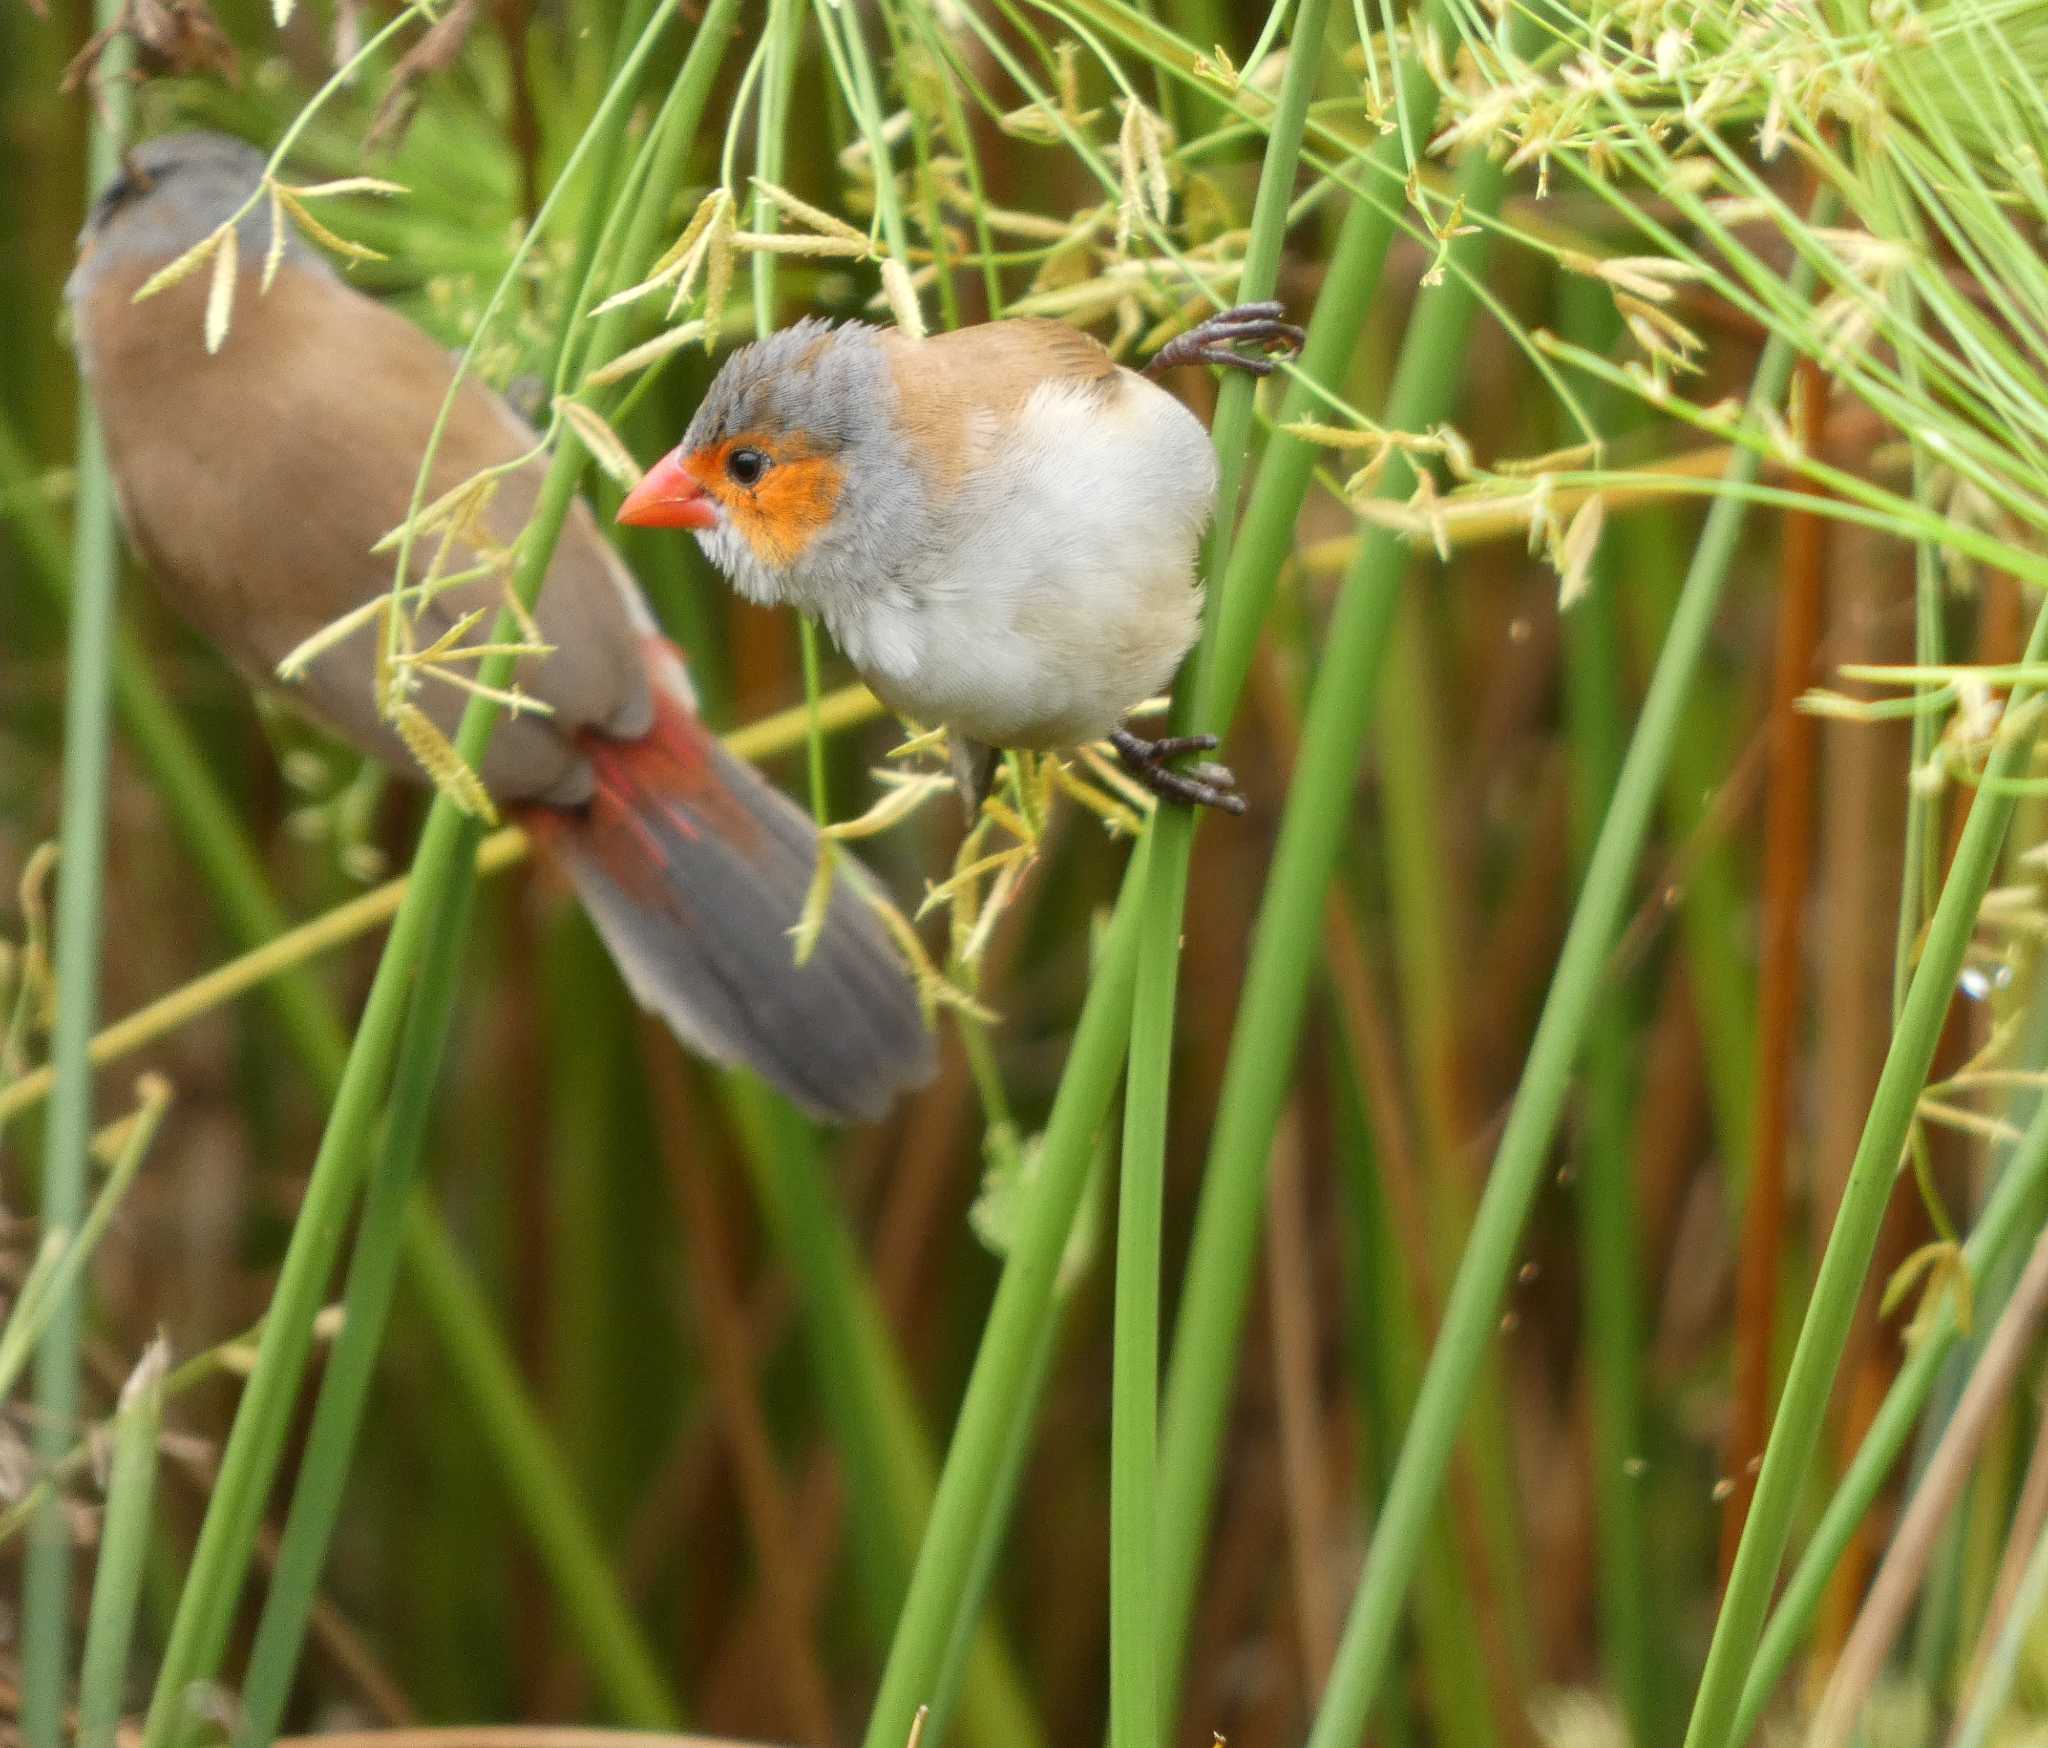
{"x":746,"y":466}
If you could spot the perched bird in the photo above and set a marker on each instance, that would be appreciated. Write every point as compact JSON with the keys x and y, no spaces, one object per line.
{"x":255,"y":482}
{"x":997,"y":525}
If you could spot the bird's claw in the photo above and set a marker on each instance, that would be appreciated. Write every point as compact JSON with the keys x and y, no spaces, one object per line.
{"x":1215,"y":341}
{"x":1205,"y":784}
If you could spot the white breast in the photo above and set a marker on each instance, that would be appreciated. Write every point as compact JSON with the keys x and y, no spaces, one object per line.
{"x":1066,"y":592}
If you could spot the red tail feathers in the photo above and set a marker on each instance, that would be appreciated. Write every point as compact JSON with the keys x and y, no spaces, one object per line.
{"x":694,"y":870}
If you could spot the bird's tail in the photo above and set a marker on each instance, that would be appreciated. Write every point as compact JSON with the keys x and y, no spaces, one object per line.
{"x":695,"y":869}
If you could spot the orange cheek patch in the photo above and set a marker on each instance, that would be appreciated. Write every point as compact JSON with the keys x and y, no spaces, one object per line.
{"x":789,"y":508}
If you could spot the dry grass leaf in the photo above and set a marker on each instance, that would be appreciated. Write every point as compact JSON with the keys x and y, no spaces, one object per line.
{"x":445,"y":767}
{"x":810,"y":922}
{"x":637,"y":358}
{"x":900,"y":289}
{"x":607,"y":448}
{"x":183,"y":267}
{"x":295,"y":201}
{"x":220,"y":292}
{"x":1575,"y":552}
{"x":816,"y":217}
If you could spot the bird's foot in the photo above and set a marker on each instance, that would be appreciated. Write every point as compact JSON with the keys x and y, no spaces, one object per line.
{"x":1201,"y":785}
{"x":1216,"y":341}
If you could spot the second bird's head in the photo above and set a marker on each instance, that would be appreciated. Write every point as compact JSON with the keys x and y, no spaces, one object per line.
{"x":795,"y":472}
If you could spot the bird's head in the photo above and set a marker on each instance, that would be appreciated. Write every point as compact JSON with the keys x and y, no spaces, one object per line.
{"x":170,"y":193}
{"x":794,"y":468}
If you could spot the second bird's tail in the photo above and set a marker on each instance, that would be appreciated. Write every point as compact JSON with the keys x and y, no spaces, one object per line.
{"x":694,"y":869}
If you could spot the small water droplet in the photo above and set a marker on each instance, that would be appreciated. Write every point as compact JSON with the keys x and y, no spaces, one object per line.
{"x":1981,"y":982}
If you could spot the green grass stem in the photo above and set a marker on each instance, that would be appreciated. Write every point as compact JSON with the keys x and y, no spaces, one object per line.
{"x":1611,"y":1278}
{"x":981,"y":1457}
{"x":1286,"y":940}
{"x":1389,"y":1349}
{"x":1136,"y":1615}
{"x":124,"y":1545}
{"x":256,"y":1444}
{"x":2016,"y":1209}
{"x":345,"y":1387}
{"x":536,"y":1480}
{"x":88,"y":733}
{"x":866,"y":1395}
{"x":1712,"y":907}
{"x":1429,"y":915}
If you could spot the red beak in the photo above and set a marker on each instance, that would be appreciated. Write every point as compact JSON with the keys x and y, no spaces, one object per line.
{"x":669,"y":497}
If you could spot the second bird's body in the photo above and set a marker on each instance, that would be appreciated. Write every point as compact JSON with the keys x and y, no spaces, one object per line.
{"x":259,"y":476}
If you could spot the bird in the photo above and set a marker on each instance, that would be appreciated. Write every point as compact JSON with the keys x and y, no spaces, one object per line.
{"x":255,"y":482}
{"x":998,"y":525}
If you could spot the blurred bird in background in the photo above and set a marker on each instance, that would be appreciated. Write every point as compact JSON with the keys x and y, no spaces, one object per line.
{"x":255,"y":483}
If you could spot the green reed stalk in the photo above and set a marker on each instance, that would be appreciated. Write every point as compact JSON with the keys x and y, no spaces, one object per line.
{"x":1135,"y":1613}
{"x":1424,"y":917}
{"x":1839,"y":1282}
{"x":124,"y":1545}
{"x":255,"y":1446}
{"x":982,"y":1452}
{"x":1286,"y":938}
{"x":1713,"y":909}
{"x":605,"y":182}
{"x":617,"y":1648}
{"x":442,"y":865}
{"x":867,"y":1397}
{"x":1611,"y":1257}
{"x":984,"y":1441}
{"x":1389,"y":1349}
{"x":96,"y":569}
{"x":345,"y":1387}
{"x":2015,"y":1211}
{"x":1471,"y":1312}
